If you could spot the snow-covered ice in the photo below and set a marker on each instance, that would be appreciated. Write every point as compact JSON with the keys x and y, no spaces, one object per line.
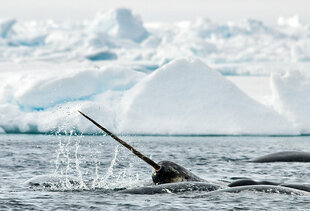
{"x":187,"y":97}
{"x":5,"y":27}
{"x":79,"y":85}
{"x":120,"y":23}
{"x":292,"y":98}
{"x":247,"y":47}
{"x":155,"y":78}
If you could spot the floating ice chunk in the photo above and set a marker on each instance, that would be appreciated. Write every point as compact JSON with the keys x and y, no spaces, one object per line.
{"x":32,"y":33}
{"x":292,"y":98}
{"x":120,"y":23}
{"x":205,"y":28}
{"x":293,"y":21}
{"x":251,"y":26}
{"x":187,"y":97}
{"x":5,"y":27}
{"x":76,"y":86}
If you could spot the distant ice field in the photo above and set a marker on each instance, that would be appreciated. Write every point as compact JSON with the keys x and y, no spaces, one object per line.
{"x":185,"y":78}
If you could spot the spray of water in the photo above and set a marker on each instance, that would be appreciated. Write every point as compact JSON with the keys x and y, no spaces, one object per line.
{"x":72,"y":176}
{"x":77,"y":167}
{"x":103,"y":181}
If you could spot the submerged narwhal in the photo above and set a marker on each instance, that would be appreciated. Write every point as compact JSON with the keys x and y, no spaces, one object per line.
{"x":164,"y":171}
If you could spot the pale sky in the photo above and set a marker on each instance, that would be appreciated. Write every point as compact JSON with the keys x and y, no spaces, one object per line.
{"x":158,"y":10}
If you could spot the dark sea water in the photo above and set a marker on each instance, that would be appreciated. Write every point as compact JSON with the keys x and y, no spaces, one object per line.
{"x":102,"y":168}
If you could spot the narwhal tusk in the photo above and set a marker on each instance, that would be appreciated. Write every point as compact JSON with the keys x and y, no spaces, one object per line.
{"x":133,"y":150}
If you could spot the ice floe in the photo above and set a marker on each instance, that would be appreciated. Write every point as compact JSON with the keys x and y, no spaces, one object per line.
{"x":292,"y":98}
{"x":128,"y":75}
{"x":187,"y":97}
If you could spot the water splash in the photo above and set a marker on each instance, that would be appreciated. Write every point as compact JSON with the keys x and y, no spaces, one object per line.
{"x":65,"y":160}
{"x":103,"y":181}
{"x":123,"y":180}
{"x":78,"y":165}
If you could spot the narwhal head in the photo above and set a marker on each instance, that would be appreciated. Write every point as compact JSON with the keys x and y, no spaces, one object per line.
{"x":170,"y":172}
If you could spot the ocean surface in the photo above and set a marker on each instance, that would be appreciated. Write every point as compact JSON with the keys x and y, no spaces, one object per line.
{"x":103,"y":168}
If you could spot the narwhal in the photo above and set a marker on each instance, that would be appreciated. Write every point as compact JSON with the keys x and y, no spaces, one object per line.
{"x":171,"y":177}
{"x":286,"y":156}
{"x":164,"y":171}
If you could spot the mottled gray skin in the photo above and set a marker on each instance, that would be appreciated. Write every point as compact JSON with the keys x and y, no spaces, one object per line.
{"x":245,"y":182}
{"x":171,"y":172}
{"x":173,"y":188}
{"x":287,"y":156}
{"x":258,"y":188}
{"x":235,"y":187}
{"x":249,"y":182}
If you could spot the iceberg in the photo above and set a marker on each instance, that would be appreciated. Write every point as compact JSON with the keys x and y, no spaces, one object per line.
{"x":187,"y":97}
{"x":292,"y":98}
{"x":81,"y":85}
{"x":184,"y":97}
{"x":6,"y":27}
{"x":120,"y":23}
{"x":290,"y":22}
